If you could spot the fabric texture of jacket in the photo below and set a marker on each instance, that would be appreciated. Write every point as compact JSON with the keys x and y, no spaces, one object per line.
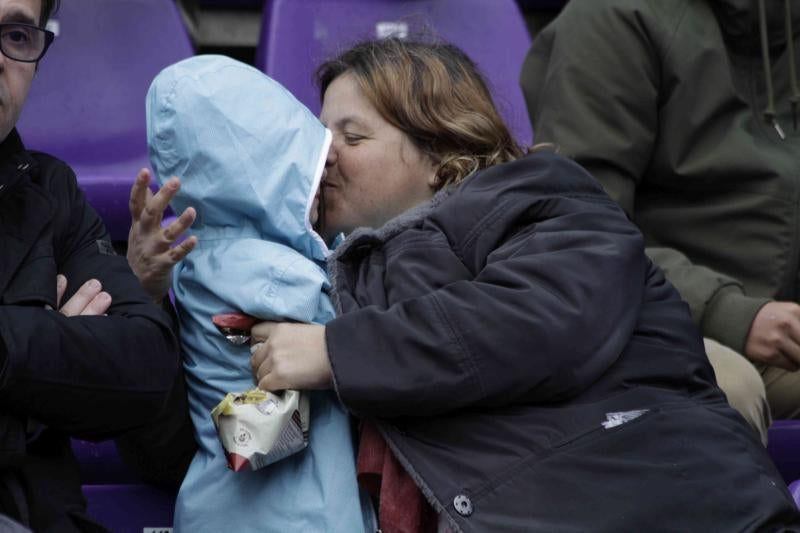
{"x":250,"y":157}
{"x":532,"y":369}
{"x":91,"y":377}
{"x":667,"y":105}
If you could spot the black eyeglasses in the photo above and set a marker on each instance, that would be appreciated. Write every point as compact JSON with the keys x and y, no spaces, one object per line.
{"x":24,"y":42}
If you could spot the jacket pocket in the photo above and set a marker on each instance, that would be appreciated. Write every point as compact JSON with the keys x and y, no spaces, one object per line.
{"x":613,"y":424}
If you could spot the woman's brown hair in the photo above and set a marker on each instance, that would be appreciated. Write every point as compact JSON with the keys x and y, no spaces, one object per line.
{"x":435,"y":94}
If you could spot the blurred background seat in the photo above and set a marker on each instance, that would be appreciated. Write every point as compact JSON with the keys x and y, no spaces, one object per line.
{"x":115,"y":496}
{"x":297,"y":35}
{"x":86,"y":105}
{"x":100,"y":463}
{"x":784,"y":448}
{"x":131,"y":508}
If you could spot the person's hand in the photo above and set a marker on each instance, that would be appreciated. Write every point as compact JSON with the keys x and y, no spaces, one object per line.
{"x":290,"y":356}
{"x":774,"y":337}
{"x":89,"y":300}
{"x":150,"y":251}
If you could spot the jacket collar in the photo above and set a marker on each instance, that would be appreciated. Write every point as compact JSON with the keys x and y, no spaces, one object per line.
{"x":361,"y":240}
{"x":15,"y":161}
{"x":362,"y":237}
{"x":23,"y":216}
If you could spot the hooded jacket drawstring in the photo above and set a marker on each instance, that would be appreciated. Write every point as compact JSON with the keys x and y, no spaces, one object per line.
{"x":769,"y":112}
{"x":795,"y":97}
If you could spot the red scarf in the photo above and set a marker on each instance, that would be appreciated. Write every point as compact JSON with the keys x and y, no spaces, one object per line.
{"x":401,"y":506}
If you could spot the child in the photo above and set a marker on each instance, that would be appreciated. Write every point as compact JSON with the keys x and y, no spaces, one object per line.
{"x":251,"y":158}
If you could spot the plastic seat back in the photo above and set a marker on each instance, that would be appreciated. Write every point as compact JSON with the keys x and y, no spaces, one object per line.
{"x":86,"y":105}
{"x":297,"y":35}
{"x":783,"y":446}
{"x":130,"y":508}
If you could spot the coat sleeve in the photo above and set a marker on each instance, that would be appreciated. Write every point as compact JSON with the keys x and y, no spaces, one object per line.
{"x":90,"y":376}
{"x":550,"y":309}
{"x":593,"y":81}
{"x":161,"y":449}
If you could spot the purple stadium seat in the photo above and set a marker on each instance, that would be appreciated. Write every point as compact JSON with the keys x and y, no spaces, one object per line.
{"x":86,"y":105}
{"x":115,"y":497}
{"x":99,"y":463}
{"x":130,"y":508}
{"x":297,"y":35}
{"x":784,"y":448}
{"x":794,"y":490}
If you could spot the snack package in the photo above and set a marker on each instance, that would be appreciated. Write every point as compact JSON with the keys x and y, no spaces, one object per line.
{"x":257,"y":428}
{"x":235,"y":326}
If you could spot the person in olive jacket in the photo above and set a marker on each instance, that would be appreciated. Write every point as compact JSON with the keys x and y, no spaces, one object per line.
{"x":83,"y":350}
{"x":687,"y":113}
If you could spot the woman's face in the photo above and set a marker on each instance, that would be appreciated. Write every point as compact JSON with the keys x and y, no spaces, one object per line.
{"x":373,"y":171}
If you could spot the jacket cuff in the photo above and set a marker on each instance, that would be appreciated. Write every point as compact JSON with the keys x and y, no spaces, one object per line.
{"x":333,"y":340}
{"x":728,"y":317}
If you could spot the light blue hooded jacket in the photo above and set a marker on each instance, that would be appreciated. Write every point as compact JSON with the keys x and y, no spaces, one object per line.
{"x":250,"y":157}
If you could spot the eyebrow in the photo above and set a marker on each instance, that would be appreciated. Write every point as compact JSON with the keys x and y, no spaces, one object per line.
{"x":346,"y":121}
{"x":18,"y":16}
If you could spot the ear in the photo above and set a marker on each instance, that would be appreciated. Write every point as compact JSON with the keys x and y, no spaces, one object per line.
{"x":433,"y":173}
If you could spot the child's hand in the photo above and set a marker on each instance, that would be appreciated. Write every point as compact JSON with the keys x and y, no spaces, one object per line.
{"x":290,"y":356}
{"x":150,"y":252}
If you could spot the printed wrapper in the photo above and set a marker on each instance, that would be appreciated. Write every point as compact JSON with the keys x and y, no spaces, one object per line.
{"x":258,"y":428}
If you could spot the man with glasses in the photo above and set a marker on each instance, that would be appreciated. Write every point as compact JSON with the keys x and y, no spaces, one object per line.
{"x":83,"y":351}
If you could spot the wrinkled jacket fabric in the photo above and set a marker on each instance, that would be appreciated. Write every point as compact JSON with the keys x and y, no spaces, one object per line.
{"x":663,"y":103}
{"x":250,"y":158}
{"x":496,"y":333}
{"x":87,"y":376}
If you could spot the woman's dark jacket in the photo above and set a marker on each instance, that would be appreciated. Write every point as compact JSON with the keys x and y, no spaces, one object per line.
{"x":90,"y":377}
{"x":533,"y":370}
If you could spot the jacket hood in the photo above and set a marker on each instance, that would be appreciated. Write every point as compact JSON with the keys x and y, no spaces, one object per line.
{"x":739,"y":20}
{"x":249,"y":155}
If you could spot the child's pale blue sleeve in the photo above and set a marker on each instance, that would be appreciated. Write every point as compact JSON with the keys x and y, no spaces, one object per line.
{"x":263,"y":279}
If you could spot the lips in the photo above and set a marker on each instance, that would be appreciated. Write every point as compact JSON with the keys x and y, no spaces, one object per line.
{"x":326,"y":183}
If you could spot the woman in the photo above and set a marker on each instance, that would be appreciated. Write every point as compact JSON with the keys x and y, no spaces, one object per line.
{"x":516,"y":361}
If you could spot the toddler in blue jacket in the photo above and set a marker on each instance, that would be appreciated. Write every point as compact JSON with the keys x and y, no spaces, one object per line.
{"x":250,"y":157}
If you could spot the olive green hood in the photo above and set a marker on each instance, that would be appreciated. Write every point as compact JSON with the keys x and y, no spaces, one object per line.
{"x":739,"y":20}
{"x":765,"y":27}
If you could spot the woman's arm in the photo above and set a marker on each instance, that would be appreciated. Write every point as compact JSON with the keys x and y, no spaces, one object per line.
{"x":539,"y":324}
{"x":555,"y":298}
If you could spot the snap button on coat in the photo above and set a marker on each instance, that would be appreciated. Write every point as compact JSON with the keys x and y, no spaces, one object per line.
{"x":463,"y":505}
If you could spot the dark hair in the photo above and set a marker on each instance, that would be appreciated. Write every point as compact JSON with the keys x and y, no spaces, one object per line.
{"x":434,"y":93}
{"x":49,"y":8}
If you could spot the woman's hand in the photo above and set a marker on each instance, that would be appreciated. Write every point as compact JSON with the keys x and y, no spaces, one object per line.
{"x":290,"y":356}
{"x":150,"y":252}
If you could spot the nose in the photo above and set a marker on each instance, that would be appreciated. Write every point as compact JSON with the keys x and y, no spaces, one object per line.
{"x":332,"y":156}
